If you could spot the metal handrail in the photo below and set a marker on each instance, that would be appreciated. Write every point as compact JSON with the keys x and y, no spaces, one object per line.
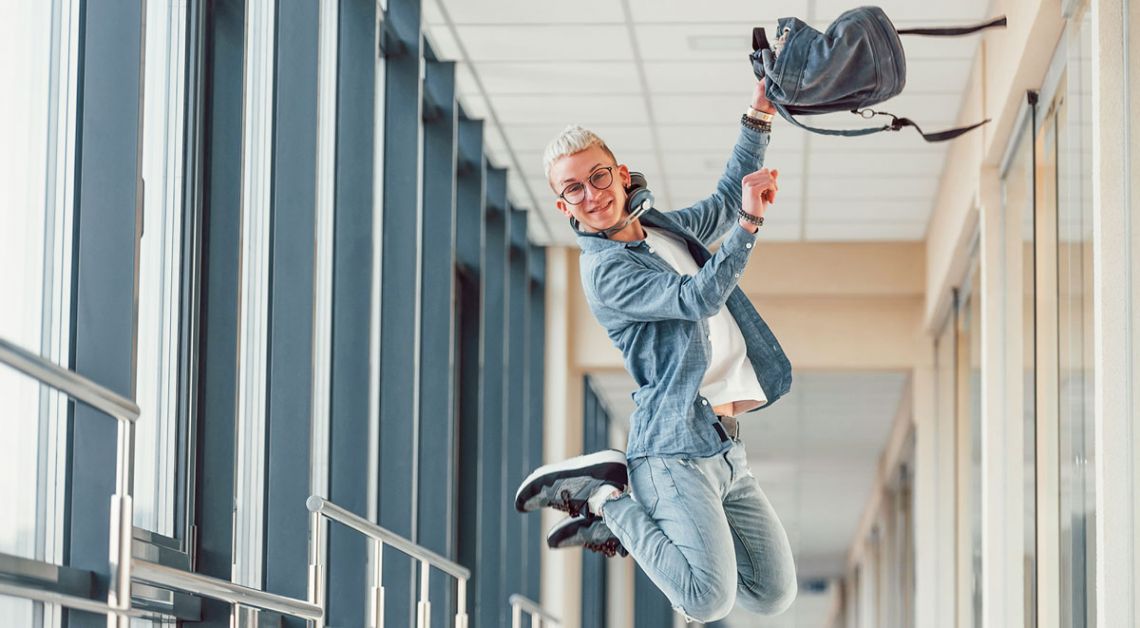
{"x":69,"y":382}
{"x":126,"y":412}
{"x":69,"y":601}
{"x":521,"y":603}
{"x":321,"y":507}
{"x":330,"y":510}
{"x":218,"y":589}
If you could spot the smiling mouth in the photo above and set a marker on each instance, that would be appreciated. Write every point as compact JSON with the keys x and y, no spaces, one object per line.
{"x":602,"y":208}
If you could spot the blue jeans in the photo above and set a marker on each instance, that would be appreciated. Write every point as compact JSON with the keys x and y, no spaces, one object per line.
{"x":706,"y":535}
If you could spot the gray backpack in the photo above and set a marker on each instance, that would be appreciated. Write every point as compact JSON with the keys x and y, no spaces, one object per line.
{"x":857,"y":63}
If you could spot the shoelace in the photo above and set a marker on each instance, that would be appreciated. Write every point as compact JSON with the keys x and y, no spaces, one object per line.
{"x":609,"y":548}
{"x":568,"y":505}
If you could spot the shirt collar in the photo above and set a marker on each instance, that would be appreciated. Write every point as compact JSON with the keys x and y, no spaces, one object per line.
{"x":589,"y":241}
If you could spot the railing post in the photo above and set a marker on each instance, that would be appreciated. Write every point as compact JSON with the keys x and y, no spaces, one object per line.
{"x":516,"y":616}
{"x":423,"y":610}
{"x":121,"y":525}
{"x":316,"y":565}
{"x":376,"y":586}
{"x":461,"y":603}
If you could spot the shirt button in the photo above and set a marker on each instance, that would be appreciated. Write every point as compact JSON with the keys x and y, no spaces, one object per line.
{"x":737,"y":275}
{"x":748,"y":246}
{"x":709,"y":336}
{"x":651,"y":250}
{"x":704,"y":402}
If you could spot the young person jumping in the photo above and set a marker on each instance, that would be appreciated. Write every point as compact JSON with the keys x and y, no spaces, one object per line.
{"x":681,"y":499}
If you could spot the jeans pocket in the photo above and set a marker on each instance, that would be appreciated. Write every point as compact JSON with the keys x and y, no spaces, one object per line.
{"x":641,"y":481}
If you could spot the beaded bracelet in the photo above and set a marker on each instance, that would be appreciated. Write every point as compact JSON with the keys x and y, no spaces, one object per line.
{"x":756,"y":220}
{"x":754,"y":124}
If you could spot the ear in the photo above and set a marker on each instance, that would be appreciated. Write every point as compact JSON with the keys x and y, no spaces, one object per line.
{"x":563,"y":207}
{"x":623,"y":176}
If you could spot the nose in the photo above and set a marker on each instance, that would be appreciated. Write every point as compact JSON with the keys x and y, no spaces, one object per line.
{"x":594,"y":196}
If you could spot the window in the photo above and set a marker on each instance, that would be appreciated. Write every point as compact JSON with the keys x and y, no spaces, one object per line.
{"x":36,"y":158}
{"x":161,"y":426}
{"x":1074,"y":290}
{"x":1017,"y":199}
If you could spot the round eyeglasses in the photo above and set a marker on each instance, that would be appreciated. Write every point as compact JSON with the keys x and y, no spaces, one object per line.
{"x":599,"y":179}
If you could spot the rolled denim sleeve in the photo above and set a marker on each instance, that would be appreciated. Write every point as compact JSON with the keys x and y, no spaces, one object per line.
{"x":708,"y":219}
{"x":632,"y":292}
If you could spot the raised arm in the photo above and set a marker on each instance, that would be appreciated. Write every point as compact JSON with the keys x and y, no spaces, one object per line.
{"x":632,"y":292}
{"x":711,"y":217}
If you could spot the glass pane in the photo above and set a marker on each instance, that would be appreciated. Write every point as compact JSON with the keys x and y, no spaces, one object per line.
{"x":156,"y":434}
{"x":36,"y":124}
{"x":1017,"y":195}
{"x":946,"y":469}
{"x":26,"y":31}
{"x":970,"y":342}
{"x":1074,"y":332}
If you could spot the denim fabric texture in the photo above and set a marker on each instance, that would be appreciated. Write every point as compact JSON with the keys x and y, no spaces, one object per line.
{"x":705,"y":533}
{"x":657,"y":317}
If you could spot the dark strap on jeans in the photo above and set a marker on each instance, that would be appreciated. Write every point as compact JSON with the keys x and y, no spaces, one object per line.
{"x":953,"y":31}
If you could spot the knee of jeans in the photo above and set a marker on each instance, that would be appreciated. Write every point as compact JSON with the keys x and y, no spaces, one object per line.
{"x":710,"y":605}
{"x":769,"y":598}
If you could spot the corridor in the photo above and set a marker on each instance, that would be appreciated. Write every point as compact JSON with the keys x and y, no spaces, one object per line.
{"x":289,"y":311}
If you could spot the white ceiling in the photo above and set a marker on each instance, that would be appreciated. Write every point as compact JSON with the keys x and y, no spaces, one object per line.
{"x":664,"y":83}
{"x":815,"y":453}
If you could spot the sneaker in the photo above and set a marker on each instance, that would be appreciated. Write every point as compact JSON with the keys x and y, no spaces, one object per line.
{"x":568,"y":484}
{"x":587,"y":531}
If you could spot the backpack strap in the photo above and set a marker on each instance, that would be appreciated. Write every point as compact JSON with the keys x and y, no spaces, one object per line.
{"x":784,"y":113}
{"x":896,"y":124}
{"x":954,"y":31}
{"x":759,"y":39}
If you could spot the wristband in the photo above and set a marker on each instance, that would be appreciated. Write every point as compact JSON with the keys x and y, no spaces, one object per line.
{"x":749,"y":218}
{"x":762,"y":116}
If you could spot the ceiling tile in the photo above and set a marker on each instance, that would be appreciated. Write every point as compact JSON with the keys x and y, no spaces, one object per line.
{"x":883,"y":188}
{"x":529,"y":12}
{"x":707,"y":137}
{"x":905,"y":11}
{"x":621,"y":138}
{"x":746,"y":12}
{"x":824,"y":164}
{"x":564,"y":43}
{"x":698,"y":108}
{"x":560,"y":79}
{"x":584,"y":110}
{"x":442,"y":42}
{"x":695,"y":42}
{"x":941,"y":76}
{"x":723,"y":78}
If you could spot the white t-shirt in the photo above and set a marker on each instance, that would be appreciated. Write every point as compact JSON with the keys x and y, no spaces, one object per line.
{"x":730,"y":376}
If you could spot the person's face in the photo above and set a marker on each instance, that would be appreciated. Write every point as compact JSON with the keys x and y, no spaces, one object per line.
{"x":596,"y":209}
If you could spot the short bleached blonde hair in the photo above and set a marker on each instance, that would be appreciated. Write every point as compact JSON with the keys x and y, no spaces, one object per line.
{"x":572,"y":139}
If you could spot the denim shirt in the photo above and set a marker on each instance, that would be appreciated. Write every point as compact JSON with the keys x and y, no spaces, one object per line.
{"x":658,"y":317}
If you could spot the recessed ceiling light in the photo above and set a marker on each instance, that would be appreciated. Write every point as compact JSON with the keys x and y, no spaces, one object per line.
{"x":716,"y":43}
